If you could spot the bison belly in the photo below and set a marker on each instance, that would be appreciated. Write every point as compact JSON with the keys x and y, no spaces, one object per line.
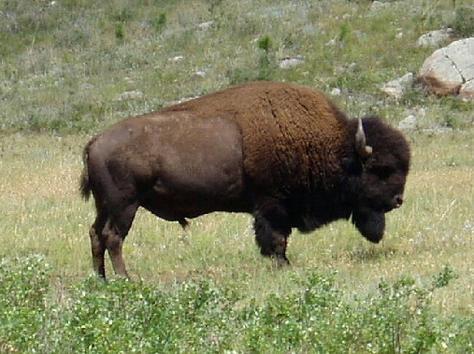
{"x":195,"y":167}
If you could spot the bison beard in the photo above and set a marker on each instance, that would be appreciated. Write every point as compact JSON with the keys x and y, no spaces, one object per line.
{"x":371,"y":224}
{"x":281,"y":152}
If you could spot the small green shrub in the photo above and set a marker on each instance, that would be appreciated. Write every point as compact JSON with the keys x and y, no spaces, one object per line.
{"x":119,"y":31}
{"x":265,"y":69}
{"x":265,"y":43}
{"x":159,"y":23}
{"x":344,"y":32}
{"x":266,"y":61}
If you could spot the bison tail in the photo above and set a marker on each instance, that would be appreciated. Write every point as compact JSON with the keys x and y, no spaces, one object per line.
{"x":85,"y":187}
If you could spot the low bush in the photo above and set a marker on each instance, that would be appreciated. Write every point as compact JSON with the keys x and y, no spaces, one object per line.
{"x":199,"y":316}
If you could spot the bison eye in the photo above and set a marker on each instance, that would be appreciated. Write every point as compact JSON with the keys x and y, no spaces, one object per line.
{"x":383,"y":172}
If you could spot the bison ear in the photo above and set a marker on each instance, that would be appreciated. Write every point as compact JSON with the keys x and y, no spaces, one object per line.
{"x":363,"y":150}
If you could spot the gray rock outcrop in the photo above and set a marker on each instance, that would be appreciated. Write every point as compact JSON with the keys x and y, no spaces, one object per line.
{"x":450,"y":70}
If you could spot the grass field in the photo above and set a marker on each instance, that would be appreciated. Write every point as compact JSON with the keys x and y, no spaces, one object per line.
{"x":434,"y":230}
{"x":70,"y":68}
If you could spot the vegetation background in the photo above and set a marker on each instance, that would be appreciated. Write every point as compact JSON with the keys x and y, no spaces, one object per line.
{"x":69,"y":68}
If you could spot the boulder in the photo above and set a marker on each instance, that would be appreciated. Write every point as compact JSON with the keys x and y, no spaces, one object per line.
{"x":290,"y":62}
{"x":435,"y":38}
{"x":450,"y":70}
{"x":396,"y":88}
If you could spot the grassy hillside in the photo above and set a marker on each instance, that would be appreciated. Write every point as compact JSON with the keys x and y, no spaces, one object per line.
{"x":67,"y":64}
{"x":70,"y":68}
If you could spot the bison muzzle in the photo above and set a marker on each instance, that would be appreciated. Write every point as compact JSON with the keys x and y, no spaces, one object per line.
{"x":281,"y":152}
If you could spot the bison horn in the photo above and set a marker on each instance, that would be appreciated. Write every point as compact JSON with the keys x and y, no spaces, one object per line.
{"x":362,"y":148}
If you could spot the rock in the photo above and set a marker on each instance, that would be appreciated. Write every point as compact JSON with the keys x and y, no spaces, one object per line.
{"x":396,"y":88}
{"x":204,"y":26}
{"x":200,"y":74}
{"x":331,"y":43}
{"x":467,"y":90}
{"x":437,"y":130}
{"x":336,"y":91}
{"x":435,"y":38}
{"x":352,"y":67}
{"x":176,"y":59}
{"x":377,"y":5}
{"x":130,"y":95}
{"x":290,"y":62}
{"x":86,"y":86}
{"x":408,"y":123}
{"x":450,"y":70}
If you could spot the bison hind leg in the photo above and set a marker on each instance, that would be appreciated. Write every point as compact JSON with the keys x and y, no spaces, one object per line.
{"x":98,"y":244}
{"x":272,"y":232}
{"x":184,"y":223}
{"x":184,"y":234}
{"x":114,"y":233}
{"x":108,"y":233}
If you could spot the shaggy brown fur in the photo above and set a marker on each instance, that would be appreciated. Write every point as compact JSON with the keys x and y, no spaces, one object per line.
{"x":280,"y":151}
{"x":293,"y":136}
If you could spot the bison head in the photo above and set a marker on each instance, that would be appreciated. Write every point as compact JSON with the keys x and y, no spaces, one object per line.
{"x":378,"y":174}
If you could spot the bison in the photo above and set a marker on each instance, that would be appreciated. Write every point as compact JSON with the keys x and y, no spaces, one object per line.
{"x":281,"y":152}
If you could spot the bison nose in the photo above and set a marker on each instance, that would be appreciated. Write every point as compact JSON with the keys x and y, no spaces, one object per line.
{"x":398,"y":200}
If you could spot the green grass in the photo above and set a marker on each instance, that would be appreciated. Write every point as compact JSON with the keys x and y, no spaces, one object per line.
{"x":63,"y":69}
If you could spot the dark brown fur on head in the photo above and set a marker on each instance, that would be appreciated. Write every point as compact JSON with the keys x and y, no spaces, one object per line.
{"x":376,"y":183}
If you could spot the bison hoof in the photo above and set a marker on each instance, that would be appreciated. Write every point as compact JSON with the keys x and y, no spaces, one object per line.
{"x":281,"y":261}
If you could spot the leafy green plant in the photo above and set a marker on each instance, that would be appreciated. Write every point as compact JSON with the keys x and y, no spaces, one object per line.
{"x":344,"y":32}
{"x":159,"y":23}
{"x":266,"y":63}
{"x":265,"y":43}
{"x":119,"y":31}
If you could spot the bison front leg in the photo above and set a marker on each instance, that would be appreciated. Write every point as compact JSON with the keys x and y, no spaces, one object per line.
{"x":272,"y":231}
